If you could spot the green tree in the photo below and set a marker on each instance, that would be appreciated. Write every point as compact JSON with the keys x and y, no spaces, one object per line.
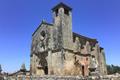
{"x":112,"y":69}
{"x":0,"y":69}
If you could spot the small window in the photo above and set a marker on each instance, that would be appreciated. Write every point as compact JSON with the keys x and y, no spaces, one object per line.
{"x":93,"y":56}
{"x":75,"y":58}
{"x":66,"y":12}
{"x":43,"y":33}
{"x":56,"y":12}
{"x":86,"y":59}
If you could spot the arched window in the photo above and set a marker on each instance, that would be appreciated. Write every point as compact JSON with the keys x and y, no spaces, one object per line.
{"x":43,"y":33}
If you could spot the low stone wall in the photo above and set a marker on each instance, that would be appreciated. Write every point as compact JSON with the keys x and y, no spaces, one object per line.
{"x":111,"y":77}
{"x":64,"y":78}
{"x":59,"y":78}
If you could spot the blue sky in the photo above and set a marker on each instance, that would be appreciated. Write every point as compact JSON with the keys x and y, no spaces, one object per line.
{"x":98,"y":19}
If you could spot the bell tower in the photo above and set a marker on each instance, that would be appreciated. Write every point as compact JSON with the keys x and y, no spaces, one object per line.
{"x":62,"y":20}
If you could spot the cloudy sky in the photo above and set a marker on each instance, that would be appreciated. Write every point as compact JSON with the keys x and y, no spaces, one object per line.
{"x":98,"y":19}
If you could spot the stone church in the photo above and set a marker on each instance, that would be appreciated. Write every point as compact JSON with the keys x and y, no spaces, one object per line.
{"x":56,"y":50}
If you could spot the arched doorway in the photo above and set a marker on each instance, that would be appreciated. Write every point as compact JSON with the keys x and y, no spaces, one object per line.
{"x":46,"y":70}
{"x":83,"y":70}
{"x":44,"y":65}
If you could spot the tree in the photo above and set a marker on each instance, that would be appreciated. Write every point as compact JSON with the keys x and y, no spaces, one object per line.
{"x":112,"y":69}
{"x":0,"y":69}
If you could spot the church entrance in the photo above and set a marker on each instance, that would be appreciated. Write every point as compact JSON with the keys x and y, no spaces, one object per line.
{"x":44,"y":65}
{"x":83,"y":73}
{"x":46,"y":70}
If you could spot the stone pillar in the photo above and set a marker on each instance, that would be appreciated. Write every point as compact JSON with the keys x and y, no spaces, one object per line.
{"x":62,"y":61}
{"x":49,"y":62}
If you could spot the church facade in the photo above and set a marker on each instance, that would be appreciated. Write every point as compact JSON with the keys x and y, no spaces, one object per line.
{"x":56,"y":50}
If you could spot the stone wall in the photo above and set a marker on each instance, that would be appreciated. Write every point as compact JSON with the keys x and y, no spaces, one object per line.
{"x":108,"y":77}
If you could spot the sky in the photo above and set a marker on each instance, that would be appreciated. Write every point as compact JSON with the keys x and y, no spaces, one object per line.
{"x":99,"y":19}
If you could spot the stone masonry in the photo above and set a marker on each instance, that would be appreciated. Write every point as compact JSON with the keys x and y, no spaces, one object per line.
{"x":56,"y":50}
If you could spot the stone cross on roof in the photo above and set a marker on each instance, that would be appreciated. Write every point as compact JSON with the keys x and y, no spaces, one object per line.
{"x":23,"y":68}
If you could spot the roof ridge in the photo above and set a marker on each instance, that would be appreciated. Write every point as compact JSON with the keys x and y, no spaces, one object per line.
{"x":84,"y":36}
{"x":43,"y":22}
